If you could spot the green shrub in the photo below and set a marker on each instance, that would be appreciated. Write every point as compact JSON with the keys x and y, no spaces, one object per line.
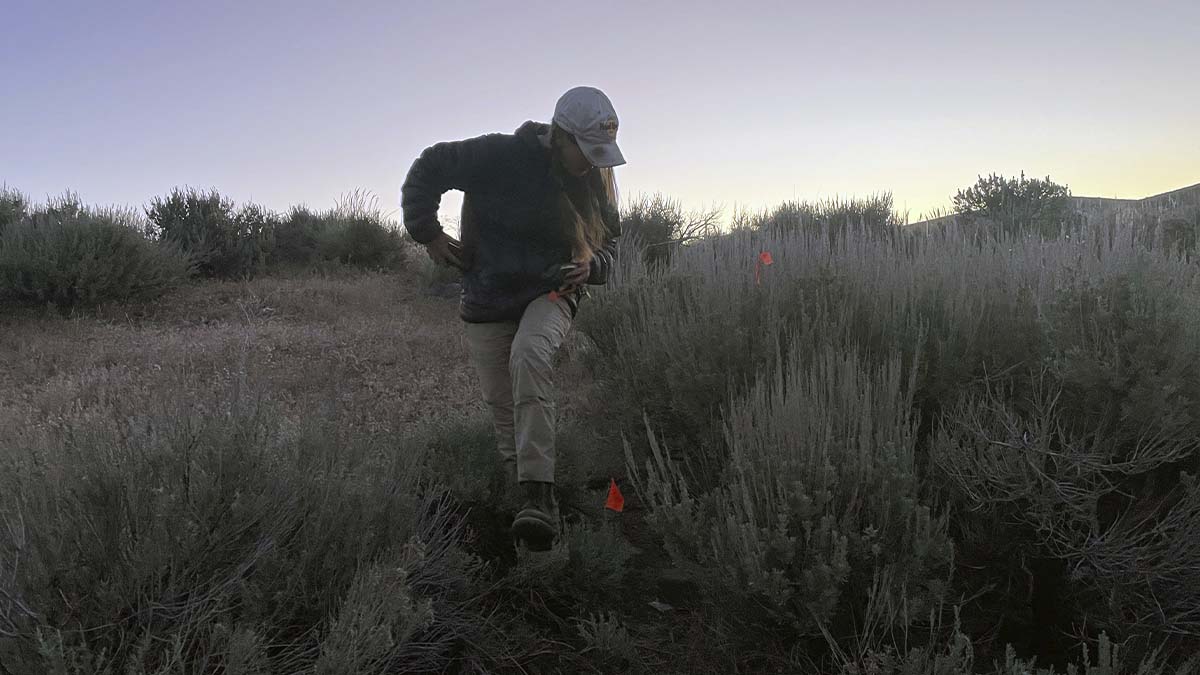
{"x":357,"y":234}
{"x":352,"y":233}
{"x":297,"y":237}
{"x":660,"y":226}
{"x":70,"y":255}
{"x":13,"y":206}
{"x":1017,"y":205}
{"x":874,"y":215}
{"x":223,"y":242}
{"x":256,"y":226}
{"x":362,"y":242}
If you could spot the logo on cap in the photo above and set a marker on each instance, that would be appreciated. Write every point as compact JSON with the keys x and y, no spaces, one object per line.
{"x":610,"y":127}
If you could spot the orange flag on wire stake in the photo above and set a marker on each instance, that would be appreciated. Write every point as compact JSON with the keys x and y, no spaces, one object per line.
{"x":615,"y":501}
{"x":764,"y":258}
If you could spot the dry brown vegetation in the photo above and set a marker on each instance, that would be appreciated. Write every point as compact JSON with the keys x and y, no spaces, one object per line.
{"x":397,"y":352}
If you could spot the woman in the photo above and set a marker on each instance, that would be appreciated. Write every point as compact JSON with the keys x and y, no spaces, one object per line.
{"x":539,"y":222}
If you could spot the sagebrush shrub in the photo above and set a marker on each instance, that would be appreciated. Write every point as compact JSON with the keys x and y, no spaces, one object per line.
{"x":215,"y":532}
{"x":256,"y":227}
{"x":363,"y":242}
{"x":660,"y":225}
{"x":1181,"y":233}
{"x":222,"y":241}
{"x":675,"y":342}
{"x":955,"y":655}
{"x":599,"y":559}
{"x":609,"y":640}
{"x":1176,"y":230}
{"x":379,"y":616}
{"x":874,"y":215}
{"x":1088,"y":474}
{"x":13,"y":206}
{"x":1125,"y":341}
{"x":1108,"y":315}
{"x":297,"y":237}
{"x":463,"y":457}
{"x":672,"y":342}
{"x":819,"y":495}
{"x":71,"y":255}
{"x":352,"y":233}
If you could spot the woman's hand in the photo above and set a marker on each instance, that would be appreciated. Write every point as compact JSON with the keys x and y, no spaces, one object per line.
{"x":445,"y":250}
{"x":578,"y":275}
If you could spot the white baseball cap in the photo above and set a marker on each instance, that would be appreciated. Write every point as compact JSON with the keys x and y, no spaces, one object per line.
{"x":588,"y":115}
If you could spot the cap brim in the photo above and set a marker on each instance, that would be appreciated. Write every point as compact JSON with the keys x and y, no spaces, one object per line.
{"x":602,"y":155}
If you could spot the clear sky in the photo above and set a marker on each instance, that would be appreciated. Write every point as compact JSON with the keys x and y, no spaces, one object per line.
{"x":733,"y":104}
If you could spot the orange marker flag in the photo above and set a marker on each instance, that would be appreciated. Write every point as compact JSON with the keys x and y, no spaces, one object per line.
{"x":553,"y":296}
{"x":764,"y":258}
{"x":615,"y":501}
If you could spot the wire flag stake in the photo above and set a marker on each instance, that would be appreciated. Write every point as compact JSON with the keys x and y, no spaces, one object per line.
{"x":764,"y":258}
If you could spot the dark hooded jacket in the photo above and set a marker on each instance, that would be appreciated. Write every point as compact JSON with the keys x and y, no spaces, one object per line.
{"x":512,"y":233}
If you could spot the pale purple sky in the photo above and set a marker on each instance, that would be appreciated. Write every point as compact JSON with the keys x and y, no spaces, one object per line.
{"x":735,"y":104}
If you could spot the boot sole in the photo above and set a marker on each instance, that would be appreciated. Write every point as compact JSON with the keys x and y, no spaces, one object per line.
{"x":534,"y":530}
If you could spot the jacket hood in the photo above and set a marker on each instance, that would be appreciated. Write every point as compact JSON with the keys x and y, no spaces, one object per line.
{"x":530,"y":130}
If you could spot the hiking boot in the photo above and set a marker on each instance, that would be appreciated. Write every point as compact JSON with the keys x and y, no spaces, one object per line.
{"x":537,"y":521}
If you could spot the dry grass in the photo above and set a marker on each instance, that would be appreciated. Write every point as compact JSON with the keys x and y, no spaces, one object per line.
{"x":394,"y":352}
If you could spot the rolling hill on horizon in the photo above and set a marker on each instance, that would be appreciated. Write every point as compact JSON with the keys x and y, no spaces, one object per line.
{"x":1098,"y":207}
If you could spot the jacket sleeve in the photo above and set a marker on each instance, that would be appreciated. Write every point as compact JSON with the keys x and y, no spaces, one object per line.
{"x":605,"y":259}
{"x":466,"y":165}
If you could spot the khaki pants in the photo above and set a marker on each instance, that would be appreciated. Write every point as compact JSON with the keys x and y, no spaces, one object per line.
{"x":513,"y":360}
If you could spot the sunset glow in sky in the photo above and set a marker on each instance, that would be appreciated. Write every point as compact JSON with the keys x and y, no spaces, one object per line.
{"x":733,"y":104}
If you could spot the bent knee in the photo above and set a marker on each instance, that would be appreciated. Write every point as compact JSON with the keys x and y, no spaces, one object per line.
{"x":530,"y":353}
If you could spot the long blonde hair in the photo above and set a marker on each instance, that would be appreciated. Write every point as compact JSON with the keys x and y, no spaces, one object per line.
{"x":585,"y":203}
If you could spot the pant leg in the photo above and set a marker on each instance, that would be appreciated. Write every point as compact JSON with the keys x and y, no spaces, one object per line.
{"x":490,"y":345}
{"x":542,"y":329}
